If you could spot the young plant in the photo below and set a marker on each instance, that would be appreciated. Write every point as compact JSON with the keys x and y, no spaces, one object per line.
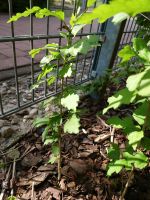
{"x":66,"y":120}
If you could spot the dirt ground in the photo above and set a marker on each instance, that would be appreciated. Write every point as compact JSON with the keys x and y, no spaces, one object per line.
{"x":84,"y":164}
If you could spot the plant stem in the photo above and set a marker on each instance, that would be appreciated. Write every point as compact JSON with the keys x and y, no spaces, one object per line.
{"x":60,"y":132}
{"x":127,"y":184}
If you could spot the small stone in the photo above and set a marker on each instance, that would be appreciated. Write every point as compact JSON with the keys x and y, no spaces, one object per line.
{"x":33,"y":112}
{"x":5,"y":85}
{"x":14,"y":121}
{"x":71,"y":185}
{"x":6,"y":131}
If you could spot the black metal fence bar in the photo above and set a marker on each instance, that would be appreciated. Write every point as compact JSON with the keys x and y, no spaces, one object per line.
{"x":14,"y":53}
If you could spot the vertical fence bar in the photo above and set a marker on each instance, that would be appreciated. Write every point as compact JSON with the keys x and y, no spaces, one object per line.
{"x":31,"y":47}
{"x":14,"y":53}
{"x":1,"y":105}
{"x":58,"y":63}
{"x":47,"y":33}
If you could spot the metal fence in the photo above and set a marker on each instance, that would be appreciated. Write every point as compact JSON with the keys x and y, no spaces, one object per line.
{"x":18,"y":71}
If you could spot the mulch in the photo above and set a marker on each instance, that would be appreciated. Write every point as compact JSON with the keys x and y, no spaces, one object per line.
{"x":84,"y":165}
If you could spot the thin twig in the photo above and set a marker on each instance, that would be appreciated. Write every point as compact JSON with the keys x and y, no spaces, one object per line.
{"x":102,"y":121}
{"x":5,"y":184}
{"x":33,"y":194}
{"x":131,"y":175}
{"x":12,"y":181}
{"x":112,"y":134}
{"x":145,"y":16}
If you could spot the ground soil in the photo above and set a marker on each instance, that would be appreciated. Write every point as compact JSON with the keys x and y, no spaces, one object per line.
{"x":84,"y":164}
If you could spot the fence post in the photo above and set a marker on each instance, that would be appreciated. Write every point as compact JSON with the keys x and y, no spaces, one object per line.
{"x":109,"y":48}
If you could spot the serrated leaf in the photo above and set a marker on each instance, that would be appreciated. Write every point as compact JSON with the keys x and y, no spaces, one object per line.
{"x":106,"y":11}
{"x":139,"y":159}
{"x":140,"y":113}
{"x":70,"y":102}
{"x":135,"y":137}
{"x":72,"y":125}
{"x":39,"y":13}
{"x":45,"y":13}
{"x":26,"y":13}
{"x":81,"y":46}
{"x":126,"y":123}
{"x":123,"y":96}
{"x":126,"y":53}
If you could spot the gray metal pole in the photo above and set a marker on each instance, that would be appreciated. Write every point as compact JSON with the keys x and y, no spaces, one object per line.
{"x":109,"y":48}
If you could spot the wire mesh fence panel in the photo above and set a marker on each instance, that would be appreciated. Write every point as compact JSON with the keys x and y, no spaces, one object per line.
{"x":18,"y":71}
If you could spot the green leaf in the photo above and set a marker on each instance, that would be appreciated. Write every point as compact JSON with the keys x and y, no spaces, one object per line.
{"x":106,"y":11}
{"x":51,"y":80}
{"x":34,"y":52}
{"x":133,"y":81}
{"x":81,"y":46}
{"x":115,"y":167}
{"x":45,"y":13}
{"x":145,"y":143}
{"x":53,"y":159}
{"x":11,"y":198}
{"x":45,"y":133}
{"x":45,"y":71}
{"x":123,"y":96}
{"x":135,"y":137}
{"x":38,"y":122}
{"x":70,"y":102}
{"x":90,"y":3}
{"x":140,"y":46}
{"x":126,"y":54}
{"x":114,"y":152}
{"x":55,"y":149}
{"x":139,"y":159}
{"x":66,"y":71}
{"x":140,"y":113}
{"x":144,"y":86}
{"x":39,"y":13}
{"x":46,"y":60}
{"x":24,"y":14}
{"x":72,"y":125}
{"x":77,"y":28}
{"x":115,"y":121}
{"x":126,"y":123}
